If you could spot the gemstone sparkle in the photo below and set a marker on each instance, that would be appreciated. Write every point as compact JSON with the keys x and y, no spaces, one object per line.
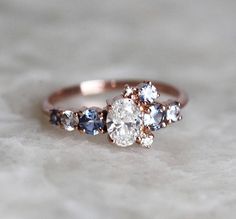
{"x":90,"y":122}
{"x":147,"y":92}
{"x":147,"y":140}
{"x":69,"y":120}
{"x":124,"y":121}
{"x":154,"y":119}
{"x":173,"y":113}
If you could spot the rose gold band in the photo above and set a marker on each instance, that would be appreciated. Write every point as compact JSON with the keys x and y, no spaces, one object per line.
{"x":130,"y":117}
{"x":100,"y":86}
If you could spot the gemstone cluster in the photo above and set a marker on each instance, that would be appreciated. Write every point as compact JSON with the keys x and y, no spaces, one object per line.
{"x":131,"y":117}
{"x":134,"y":115}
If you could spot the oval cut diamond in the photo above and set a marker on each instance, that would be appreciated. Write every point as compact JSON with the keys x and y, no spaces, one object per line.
{"x":124,"y":122}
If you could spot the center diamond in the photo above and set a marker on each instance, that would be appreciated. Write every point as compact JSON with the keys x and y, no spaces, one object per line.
{"x":124,"y":121}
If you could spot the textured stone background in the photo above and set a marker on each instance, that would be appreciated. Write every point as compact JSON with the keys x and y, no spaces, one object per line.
{"x":190,"y":172}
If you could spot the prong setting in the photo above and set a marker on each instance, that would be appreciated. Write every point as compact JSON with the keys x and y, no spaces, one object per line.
{"x":69,"y":120}
{"x":131,"y":117}
{"x":91,"y":121}
{"x":173,"y":113}
{"x":154,"y":115}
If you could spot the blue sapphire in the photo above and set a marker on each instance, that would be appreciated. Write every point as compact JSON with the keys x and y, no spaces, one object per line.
{"x":91,"y":122}
{"x":55,"y":118}
{"x":155,"y":118}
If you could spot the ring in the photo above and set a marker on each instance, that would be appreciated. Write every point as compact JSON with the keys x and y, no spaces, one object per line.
{"x":129,"y":118}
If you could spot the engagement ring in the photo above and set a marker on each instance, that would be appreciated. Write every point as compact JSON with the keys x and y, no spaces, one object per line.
{"x":132,"y":117}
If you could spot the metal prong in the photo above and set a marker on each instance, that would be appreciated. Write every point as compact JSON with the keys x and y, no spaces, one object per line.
{"x":101,"y":131}
{"x":80,"y":113}
{"x":180,"y":118}
{"x":163,"y":108}
{"x":163,"y":125}
{"x":138,"y":140}
{"x":110,"y":140}
{"x":82,"y":131}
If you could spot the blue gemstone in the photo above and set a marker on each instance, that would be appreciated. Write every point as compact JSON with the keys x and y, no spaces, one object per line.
{"x":55,"y":118}
{"x":155,"y":118}
{"x":91,"y":122}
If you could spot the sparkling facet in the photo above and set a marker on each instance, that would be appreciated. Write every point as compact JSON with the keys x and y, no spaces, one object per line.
{"x":173,"y":113}
{"x":69,"y":120}
{"x":147,"y":140}
{"x":147,"y":92}
{"x":124,"y":122}
{"x":90,"y":122}
{"x":55,"y":117}
{"x":154,"y":119}
{"x":128,"y":91}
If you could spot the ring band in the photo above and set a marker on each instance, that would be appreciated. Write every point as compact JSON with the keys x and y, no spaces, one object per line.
{"x":131,"y":117}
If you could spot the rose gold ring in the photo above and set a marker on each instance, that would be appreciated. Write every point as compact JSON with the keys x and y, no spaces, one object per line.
{"x":129,"y":118}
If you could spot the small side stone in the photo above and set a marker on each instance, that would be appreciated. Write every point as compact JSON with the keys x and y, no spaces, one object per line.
{"x":147,"y":92}
{"x":154,"y":118}
{"x":55,"y":117}
{"x":128,"y":91}
{"x":90,"y":122}
{"x":173,"y":112}
{"x":69,"y":120}
{"x":147,"y":140}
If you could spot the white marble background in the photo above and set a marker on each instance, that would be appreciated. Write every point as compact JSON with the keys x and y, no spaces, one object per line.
{"x":190,"y":172}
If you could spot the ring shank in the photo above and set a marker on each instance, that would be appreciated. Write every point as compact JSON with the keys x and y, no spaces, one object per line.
{"x":100,"y":86}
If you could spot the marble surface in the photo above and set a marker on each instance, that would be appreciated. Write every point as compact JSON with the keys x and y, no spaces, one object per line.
{"x":191,"y":170}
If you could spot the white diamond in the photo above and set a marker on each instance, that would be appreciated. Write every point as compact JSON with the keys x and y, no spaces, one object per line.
{"x":173,"y":113}
{"x":69,"y":120}
{"x":147,"y":92}
{"x":128,"y":91}
{"x":124,"y":122}
{"x":147,"y":140}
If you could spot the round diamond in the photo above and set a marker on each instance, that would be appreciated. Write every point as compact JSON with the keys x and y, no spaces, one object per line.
{"x":124,"y":122}
{"x":128,"y":91}
{"x":69,"y":120}
{"x":90,"y":122}
{"x":154,"y":119}
{"x":147,"y":92}
{"x":173,"y":113}
{"x":147,"y":140}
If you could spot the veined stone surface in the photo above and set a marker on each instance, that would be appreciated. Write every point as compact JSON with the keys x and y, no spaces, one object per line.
{"x":48,"y":173}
